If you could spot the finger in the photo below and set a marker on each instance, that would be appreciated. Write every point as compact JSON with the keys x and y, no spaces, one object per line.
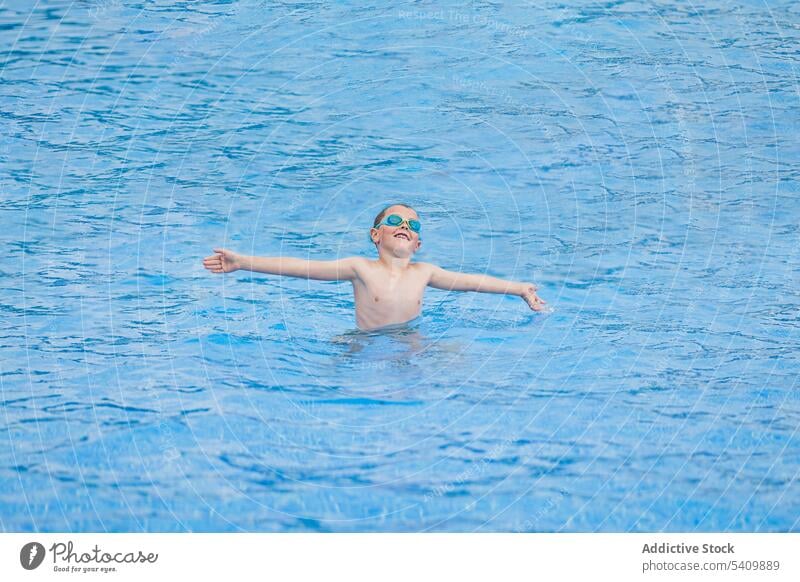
{"x":220,"y":251}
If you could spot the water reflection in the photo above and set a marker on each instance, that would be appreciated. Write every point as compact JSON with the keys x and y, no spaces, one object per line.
{"x":419,"y":353}
{"x":397,"y":344}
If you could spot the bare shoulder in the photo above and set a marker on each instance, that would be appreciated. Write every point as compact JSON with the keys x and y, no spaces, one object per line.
{"x":425,"y":269}
{"x":359,"y":262}
{"x":359,"y":265}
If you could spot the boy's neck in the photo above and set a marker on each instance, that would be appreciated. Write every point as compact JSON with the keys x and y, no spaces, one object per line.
{"x":394,"y":264}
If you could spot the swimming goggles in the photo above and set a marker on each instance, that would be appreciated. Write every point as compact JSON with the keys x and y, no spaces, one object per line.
{"x":397,"y":220}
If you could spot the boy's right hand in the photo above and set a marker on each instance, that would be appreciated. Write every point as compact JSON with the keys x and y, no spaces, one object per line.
{"x":223,"y":261}
{"x":531,"y":298}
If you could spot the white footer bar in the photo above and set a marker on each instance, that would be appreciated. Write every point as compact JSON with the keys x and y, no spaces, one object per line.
{"x":400,"y":557}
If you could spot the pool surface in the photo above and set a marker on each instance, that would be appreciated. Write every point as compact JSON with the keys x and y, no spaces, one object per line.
{"x":637,"y":160}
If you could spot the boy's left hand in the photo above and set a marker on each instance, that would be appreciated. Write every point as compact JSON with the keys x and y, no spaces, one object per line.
{"x":529,"y":295}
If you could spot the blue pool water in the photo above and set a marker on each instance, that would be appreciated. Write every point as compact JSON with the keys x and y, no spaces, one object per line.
{"x":638,"y":160}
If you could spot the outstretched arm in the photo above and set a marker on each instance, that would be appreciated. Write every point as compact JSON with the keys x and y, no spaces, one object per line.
{"x":225,"y":261}
{"x":453,"y":281}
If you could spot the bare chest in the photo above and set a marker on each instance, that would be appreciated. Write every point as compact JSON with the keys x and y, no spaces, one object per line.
{"x":388,"y":293}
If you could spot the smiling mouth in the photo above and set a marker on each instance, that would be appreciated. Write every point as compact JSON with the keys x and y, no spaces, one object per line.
{"x":404,"y":235}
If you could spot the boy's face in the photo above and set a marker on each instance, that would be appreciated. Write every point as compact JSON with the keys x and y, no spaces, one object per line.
{"x":401,"y":241}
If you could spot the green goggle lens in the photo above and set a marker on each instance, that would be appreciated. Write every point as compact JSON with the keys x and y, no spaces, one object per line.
{"x":396,"y":220}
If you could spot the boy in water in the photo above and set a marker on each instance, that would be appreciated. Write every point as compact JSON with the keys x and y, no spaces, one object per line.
{"x":389,"y":290}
